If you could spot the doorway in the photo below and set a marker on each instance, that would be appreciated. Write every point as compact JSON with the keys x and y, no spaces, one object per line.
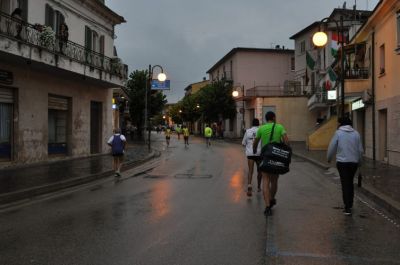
{"x":95,"y":127}
{"x":382,"y":133}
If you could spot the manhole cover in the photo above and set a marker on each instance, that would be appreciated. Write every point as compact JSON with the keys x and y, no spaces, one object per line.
{"x":192,"y":176}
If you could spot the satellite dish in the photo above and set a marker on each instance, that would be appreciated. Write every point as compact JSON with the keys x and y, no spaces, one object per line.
{"x":366,"y":97}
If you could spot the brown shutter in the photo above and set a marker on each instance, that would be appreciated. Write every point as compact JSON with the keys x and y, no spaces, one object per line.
{"x":49,"y":16}
{"x":58,"y":103}
{"x":102,"y":44}
{"x":6,"y":95}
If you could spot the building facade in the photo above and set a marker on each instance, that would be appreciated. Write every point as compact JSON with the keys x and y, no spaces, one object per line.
{"x":263,"y":79}
{"x":376,"y":48}
{"x":318,"y":69}
{"x":58,"y":67}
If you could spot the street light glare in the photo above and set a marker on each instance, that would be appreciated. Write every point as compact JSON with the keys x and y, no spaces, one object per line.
{"x":235,"y":93}
{"x":161,"y":77}
{"x":320,"y":39}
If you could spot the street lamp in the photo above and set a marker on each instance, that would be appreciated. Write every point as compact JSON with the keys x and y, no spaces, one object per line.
{"x":235,"y":94}
{"x":160,"y":77}
{"x":320,"y":39}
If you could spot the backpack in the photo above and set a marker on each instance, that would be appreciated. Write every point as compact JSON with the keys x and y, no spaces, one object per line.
{"x":117,"y":145}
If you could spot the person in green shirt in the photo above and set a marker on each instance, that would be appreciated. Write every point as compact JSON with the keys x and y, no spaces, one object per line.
{"x":270,"y":181}
{"x":185,"y":132}
{"x":178,"y":131}
{"x":208,"y":134}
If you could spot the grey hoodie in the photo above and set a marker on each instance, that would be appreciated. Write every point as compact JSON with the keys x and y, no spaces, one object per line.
{"x":347,"y":144}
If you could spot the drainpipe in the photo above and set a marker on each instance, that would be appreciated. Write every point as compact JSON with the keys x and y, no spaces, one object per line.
{"x":373,"y":97}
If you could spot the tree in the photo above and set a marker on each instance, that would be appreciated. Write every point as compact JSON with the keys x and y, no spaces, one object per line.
{"x":216,"y":101}
{"x":136,"y":92}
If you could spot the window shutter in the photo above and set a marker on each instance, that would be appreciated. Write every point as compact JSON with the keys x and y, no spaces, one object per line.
{"x":102,"y":45}
{"x":49,"y":16}
{"x":23,"y":4}
{"x":88,"y":38}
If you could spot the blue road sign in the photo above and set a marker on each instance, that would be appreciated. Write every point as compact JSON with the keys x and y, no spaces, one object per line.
{"x":158,"y":85}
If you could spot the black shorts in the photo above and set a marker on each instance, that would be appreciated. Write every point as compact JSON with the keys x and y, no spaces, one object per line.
{"x":257,"y":159}
{"x":186,"y":137}
{"x":167,"y":137}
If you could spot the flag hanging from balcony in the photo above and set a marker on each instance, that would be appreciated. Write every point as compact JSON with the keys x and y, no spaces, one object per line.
{"x":335,"y":44}
{"x":329,"y":80}
{"x":310,"y":61}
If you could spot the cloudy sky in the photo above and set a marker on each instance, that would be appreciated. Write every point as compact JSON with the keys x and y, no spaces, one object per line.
{"x":187,"y":37}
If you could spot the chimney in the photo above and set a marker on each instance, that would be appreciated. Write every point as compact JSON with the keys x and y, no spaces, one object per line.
{"x":277,"y":47}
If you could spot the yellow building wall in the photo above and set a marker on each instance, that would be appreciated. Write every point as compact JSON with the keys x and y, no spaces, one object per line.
{"x":293,"y":114}
{"x":320,"y":139}
{"x":388,"y":84}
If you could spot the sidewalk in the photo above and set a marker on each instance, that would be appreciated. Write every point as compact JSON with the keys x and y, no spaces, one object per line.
{"x":380,"y":181}
{"x":23,"y":182}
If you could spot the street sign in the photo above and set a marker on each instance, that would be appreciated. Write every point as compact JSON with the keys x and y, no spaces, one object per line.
{"x":158,"y":85}
{"x":331,"y":94}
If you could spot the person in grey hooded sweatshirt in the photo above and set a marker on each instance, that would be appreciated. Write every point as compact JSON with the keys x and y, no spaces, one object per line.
{"x":346,"y":143}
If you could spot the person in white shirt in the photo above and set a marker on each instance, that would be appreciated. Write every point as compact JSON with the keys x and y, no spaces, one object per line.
{"x":247,"y":141}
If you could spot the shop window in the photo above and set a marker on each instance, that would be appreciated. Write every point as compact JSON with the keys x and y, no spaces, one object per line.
{"x":57,"y":125}
{"x":231,"y":122}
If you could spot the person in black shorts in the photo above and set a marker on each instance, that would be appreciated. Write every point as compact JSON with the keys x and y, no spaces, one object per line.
{"x":247,"y":141}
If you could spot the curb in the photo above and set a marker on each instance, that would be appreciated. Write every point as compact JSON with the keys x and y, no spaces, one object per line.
{"x":382,"y":200}
{"x":313,"y":161}
{"x":29,"y":193}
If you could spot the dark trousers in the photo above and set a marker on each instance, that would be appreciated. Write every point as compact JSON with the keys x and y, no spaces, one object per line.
{"x":347,"y":172}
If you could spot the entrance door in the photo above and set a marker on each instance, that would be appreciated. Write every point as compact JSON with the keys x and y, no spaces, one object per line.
{"x":95,"y":127}
{"x":6,"y":123}
{"x":361,"y":124}
{"x":383,"y":135}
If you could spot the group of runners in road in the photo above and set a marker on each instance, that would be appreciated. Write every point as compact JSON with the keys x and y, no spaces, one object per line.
{"x":345,"y":145}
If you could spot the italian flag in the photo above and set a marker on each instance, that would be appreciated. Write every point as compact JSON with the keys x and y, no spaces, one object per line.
{"x":329,"y":80}
{"x":335,"y":44}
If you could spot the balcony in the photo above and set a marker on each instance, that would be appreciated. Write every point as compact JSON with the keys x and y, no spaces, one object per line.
{"x":34,"y":43}
{"x":272,"y":91}
{"x":318,"y":100}
{"x":357,"y":73}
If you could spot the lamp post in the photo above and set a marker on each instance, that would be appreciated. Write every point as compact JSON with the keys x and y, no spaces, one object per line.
{"x":161,"y":77}
{"x":320,"y":39}
{"x":235,"y":94}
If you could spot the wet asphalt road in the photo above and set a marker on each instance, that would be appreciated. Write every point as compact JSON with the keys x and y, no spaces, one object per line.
{"x":190,"y":207}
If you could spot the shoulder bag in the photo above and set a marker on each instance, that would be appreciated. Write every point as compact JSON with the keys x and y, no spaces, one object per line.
{"x":276,"y":157}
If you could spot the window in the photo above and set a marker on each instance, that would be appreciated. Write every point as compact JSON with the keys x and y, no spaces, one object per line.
{"x":93,"y":41}
{"x":231,"y":123}
{"x":53,"y":19}
{"x":57,"y":125}
{"x":382,"y":59}
{"x":303,"y":47}
{"x":292,"y":64}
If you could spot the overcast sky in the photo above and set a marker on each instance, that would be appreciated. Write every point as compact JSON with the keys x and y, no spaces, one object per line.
{"x":187,"y":37}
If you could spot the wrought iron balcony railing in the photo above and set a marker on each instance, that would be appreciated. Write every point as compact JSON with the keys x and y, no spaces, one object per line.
{"x":357,"y":73}
{"x":37,"y":36}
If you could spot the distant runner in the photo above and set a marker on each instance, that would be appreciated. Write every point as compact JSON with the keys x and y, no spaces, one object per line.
{"x":185,"y":132}
{"x":178,"y":131}
{"x":168,"y":135}
{"x":208,"y":135}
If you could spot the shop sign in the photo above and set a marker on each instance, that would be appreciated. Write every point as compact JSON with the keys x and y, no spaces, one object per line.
{"x":357,"y":105}
{"x":6,"y":77}
{"x":332,"y":95}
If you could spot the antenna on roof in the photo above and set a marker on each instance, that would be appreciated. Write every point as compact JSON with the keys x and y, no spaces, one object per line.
{"x":344,"y":5}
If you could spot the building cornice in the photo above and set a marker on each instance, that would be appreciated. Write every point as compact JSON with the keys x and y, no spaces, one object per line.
{"x":241,"y":49}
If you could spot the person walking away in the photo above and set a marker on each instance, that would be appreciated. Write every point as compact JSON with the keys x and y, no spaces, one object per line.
{"x":270,"y":181}
{"x":346,"y":144}
{"x":178,"y":131}
{"x":168,"y":135}
{"x":247,"y":141}
{"x":117,"y":143}
{"x":185,"y":132}
{"x":208,"y":135}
